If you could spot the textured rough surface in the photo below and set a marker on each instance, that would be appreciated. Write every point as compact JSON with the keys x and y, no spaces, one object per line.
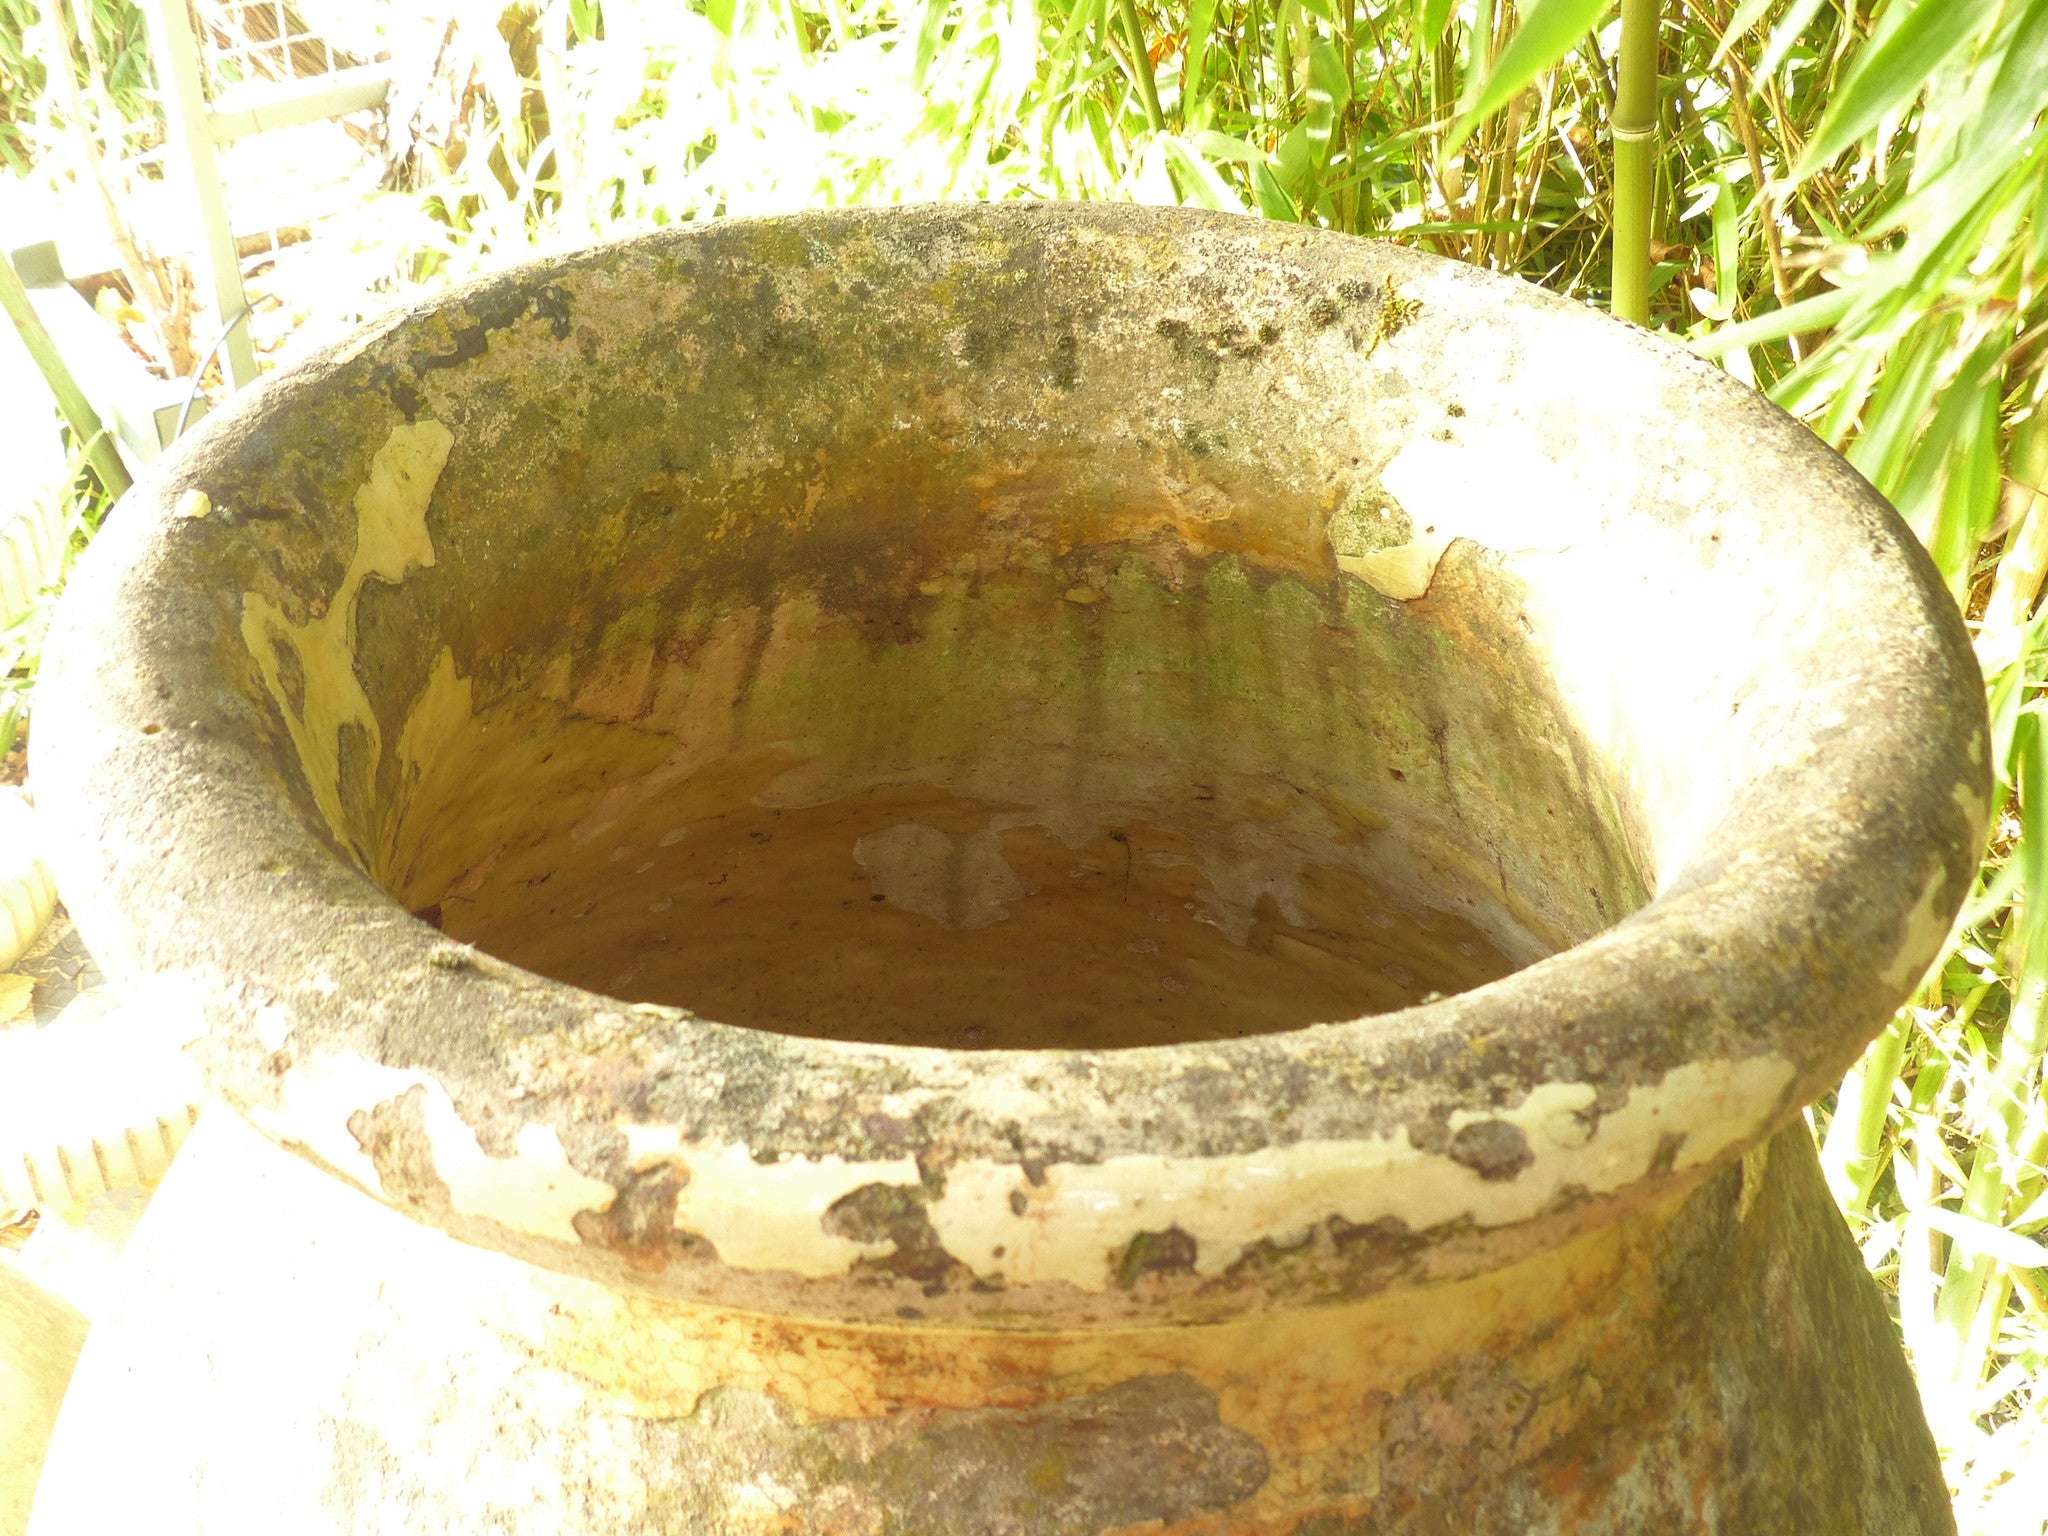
{"x":40,"y":1337}
{"x":1032,"y":633}
{"x":1718,"y":1366}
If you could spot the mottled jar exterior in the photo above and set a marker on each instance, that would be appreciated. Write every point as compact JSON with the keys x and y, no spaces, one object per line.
{"x":1007,"y":869}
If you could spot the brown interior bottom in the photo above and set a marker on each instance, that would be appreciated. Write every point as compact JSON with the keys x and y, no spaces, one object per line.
{"x":911,"y":915}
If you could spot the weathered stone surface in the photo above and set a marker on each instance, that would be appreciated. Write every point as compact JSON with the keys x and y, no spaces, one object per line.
{"x":295,"y":1356}
{"x":693,"y":764}
{"x":40,"y":1335}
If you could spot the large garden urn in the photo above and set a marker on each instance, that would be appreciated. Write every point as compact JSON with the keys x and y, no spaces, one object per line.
{"x":1005,"y":870}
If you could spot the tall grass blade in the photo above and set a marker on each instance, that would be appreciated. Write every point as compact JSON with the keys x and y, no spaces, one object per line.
{"x":1548,"y":32}
{"x":1890,"y":73}
{"x":1747,"y":15}
{"x":1195,"y":59}
{"x":1807,"y":315}
{"x":2019,"y":91}
{"x":1436,"y":17}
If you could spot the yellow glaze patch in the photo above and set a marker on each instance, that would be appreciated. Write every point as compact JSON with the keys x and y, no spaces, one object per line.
{"x":391,"y":540}
{"x":535,"y":1190}
{"x":1074,"y":1224}
{"x":770,"y":1215}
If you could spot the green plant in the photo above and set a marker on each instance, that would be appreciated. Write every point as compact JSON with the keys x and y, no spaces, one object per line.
{"x":82,"y":507}
{"x":109,"y":34}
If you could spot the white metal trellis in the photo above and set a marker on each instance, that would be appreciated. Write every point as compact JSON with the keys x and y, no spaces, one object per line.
{"x":200,"y":122}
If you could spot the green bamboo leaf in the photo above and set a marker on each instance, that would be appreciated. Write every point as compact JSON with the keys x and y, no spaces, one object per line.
{"x":1727,"y":216}
{"x":1955,"y":201}
{"x":1899,"y":406}
{"x":1812,"y":314}
{"x":1201,"y":18}
{"x":2019,"y":91}
{"x":1550,"y":31}
{"x":1329,"y":90}
{"x":1937,"y":451}
{"x":2034,"y":1214}
{"x":2037,"y":258}
{"x":1198,"y":178}
{"x":2003,"y":699}
{"x":1746,"y":16}
{"x":1970,"y":492}
{"x":1841,"y":381}
{"x":929,"y":37}
{"x":1274,"y":202}
{"x":1993,"y":1242}
{"x":1294,"y":158}
{"x":1996,"y":892}
{"x":1783,"y":36}
{"x":1326,"y":76}
{"x":1890,"y":72}
{"x":1436,"y":16}
{"x":1727,"y":248}
{"x":1849,"y":1155}
{"x":2030,"y":773}
{"x":1222,"y":146}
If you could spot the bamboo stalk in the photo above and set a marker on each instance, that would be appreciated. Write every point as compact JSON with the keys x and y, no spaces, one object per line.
{"x":1634,"y":126}
{"x":1141,"y":65}
{"x":1849,"y":1156}
{"x":78,"y":412}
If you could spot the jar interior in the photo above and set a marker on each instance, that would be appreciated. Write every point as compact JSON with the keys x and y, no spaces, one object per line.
{"x":1130,"y":794}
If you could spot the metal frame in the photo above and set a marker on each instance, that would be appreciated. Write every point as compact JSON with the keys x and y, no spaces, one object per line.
{"x":197,"y":128}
